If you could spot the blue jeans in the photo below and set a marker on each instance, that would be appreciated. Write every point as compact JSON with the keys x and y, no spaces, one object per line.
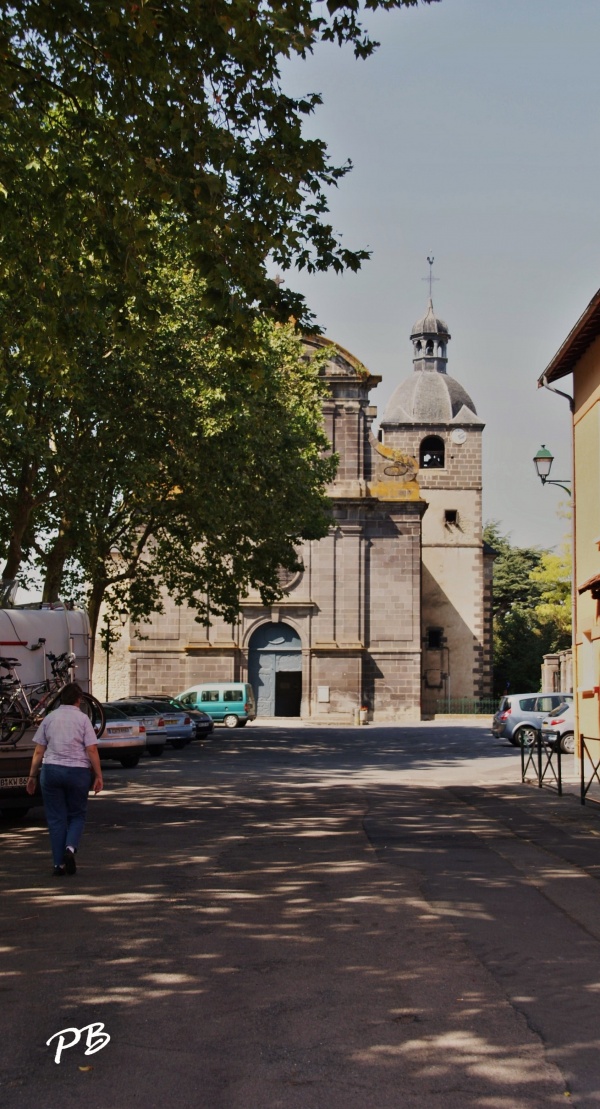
{"x":65,"y":791}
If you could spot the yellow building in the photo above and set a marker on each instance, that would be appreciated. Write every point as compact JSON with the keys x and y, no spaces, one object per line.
{"x":579,"y":355}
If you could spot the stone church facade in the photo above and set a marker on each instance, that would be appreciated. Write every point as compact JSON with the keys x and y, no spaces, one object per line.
{"x":392,"y":608}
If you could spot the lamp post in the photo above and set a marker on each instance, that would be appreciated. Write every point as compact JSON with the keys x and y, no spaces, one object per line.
{"x":108,"y":636}
{"x":543,"y":463}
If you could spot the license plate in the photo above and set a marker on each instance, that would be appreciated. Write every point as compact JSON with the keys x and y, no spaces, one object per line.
{"x":118,"y":731}
{"x":171,"y":720}
{"x":12,"y":783}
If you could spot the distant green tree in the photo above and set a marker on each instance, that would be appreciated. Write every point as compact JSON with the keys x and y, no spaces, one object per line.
{"x":520,"y":643}
{"x":553,"y":578}
{"x":532,"y":610}
{"x":512,"y":572}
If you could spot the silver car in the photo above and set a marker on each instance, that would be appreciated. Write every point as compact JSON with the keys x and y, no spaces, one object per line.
{"x":559,"y":728}
{"x":519,"y":716}
{"x":123,"y":739}
{"x":179,"y":728}
{"x":152,"y":720}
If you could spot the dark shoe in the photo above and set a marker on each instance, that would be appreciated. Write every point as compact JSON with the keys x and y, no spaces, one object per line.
{"x":59,"y":871}
{"x":70,"y":864}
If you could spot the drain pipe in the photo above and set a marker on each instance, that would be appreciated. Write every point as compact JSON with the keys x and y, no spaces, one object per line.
{"x":571,"y":400}
{"x":559,"y":392}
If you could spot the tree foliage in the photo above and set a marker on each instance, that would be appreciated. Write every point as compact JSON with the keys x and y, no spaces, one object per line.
{"x":532,"y":609}
{"x":181,"y":463}
{"x":159,"y":430}
{"x":111,"y":109}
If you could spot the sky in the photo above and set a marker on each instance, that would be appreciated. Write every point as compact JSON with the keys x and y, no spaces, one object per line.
{"x":473,"y":132}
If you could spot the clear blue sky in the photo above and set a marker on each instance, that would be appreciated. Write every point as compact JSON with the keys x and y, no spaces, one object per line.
{"x":474,"y":135}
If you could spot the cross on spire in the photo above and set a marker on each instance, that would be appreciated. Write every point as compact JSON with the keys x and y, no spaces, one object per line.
{"x":430,"y":278}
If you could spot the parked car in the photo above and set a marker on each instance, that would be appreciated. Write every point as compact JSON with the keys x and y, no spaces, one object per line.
{"x":203,"y":723}
{"x":559,"y":727}
{"x":230,"y":702}
{"x":152,"y":720}
{"x":178,"y":727}
{"x":15,"y":802}
{"x":123,"y":739}
{"x":519,"y":715}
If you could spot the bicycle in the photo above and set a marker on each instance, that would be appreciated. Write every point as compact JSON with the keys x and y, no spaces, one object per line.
{"x":23,"y":706}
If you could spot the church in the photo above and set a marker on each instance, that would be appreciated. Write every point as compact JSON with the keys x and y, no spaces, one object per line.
{"x":392,"y":609}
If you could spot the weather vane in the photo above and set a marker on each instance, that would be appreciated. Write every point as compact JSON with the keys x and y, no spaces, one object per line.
{"x":431,"y":278}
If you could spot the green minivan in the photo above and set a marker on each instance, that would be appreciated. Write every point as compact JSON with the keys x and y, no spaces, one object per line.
{"x":232,"y":703}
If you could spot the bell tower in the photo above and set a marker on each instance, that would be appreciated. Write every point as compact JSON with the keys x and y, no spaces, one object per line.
{"x":432,"y":417}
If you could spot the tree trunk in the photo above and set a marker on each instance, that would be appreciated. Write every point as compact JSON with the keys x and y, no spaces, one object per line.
{"x":55,"y":563}
{"x":14,"y":554}
{"x":21,"y":519}
{"x":94,"y":604}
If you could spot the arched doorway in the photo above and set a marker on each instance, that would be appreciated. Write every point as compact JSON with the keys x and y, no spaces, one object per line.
{"x":275,"y":670}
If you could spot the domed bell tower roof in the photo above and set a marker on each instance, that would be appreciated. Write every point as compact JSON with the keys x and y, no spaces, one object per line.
{"x":429,"y":337}
{"x":430,"y":324}
{"x":430,"y":395}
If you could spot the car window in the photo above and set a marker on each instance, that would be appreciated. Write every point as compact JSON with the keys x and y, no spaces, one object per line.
{"x":113,"y":713}
{"x":132,"y":709}
{"x":210,"y":695}
{"x":545,"y":704}
{"x":233,"y":695}
{"x":189,"y":699}
{"x":527,"y":704}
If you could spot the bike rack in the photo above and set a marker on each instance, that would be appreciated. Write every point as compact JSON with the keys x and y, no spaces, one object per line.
{"x":540,"y":756}
{"x":584,"y":750}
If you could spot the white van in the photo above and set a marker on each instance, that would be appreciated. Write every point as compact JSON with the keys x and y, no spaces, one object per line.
{"x":232,"y":703}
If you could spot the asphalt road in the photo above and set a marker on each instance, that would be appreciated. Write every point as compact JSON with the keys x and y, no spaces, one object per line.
{"x":302,"y":918}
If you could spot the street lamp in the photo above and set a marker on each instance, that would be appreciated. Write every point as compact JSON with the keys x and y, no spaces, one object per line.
{"x":543,"y":463}
{"x":108,"y":637}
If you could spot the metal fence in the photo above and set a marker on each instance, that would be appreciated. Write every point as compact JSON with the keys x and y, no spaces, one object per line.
{"x":594,"y":767}
{"x":541,"y":763}
{"x":459,"y":706}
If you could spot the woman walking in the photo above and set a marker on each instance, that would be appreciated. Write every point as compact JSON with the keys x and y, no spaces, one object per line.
{"x":66,"y":748}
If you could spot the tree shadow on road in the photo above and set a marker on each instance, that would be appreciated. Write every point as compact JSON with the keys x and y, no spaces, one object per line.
{"x":255,"y":944}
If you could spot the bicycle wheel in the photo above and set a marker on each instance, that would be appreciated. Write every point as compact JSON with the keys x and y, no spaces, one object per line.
{"x":89,"y":705}
{"x":13,"y":721}
{"x":94,"y":710}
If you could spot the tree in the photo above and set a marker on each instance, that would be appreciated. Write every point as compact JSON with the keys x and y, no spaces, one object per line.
{"x":553,"y":577}
{"x":121,"y":124}
{"x":235,"y":503}
{"x":532,"y":609}
{"x":513,"y":566}
{"x":146,"y":469}
{"x":111,"y":109}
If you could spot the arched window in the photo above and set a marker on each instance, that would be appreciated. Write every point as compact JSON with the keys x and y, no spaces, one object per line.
{"x":418,"y":346}
{"x":432,"y":453}
{"x":429,"y":347}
